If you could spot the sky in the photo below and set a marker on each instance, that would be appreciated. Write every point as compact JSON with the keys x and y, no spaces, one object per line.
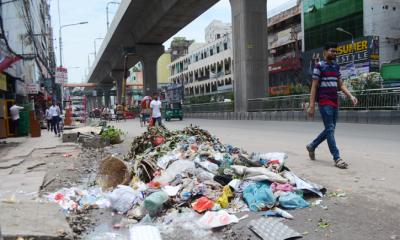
{"x":79,"y":41}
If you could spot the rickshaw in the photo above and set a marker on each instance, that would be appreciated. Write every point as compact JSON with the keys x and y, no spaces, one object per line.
{"x":172,"y":110}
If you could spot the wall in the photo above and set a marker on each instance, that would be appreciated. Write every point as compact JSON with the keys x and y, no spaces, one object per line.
{"x":163,"y":72}
{"x":381,"y":18}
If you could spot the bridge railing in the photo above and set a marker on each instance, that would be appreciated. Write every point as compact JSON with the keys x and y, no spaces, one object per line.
{"x":209,"y":107}
{"x":372,"y":99}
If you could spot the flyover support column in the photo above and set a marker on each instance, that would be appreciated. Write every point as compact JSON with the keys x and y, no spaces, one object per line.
{"x":107,"y":99}
{"x":117,"y":76}
{"x":99,"y":101}
{"x":249,"y":39}
{"x":150,"y":55}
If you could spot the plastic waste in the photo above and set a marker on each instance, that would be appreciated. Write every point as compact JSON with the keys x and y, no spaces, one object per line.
{"x":144,"y":232}
{"x":123,"y":198}
{"x":155,"y":201}
{"x":217,"y":219}
{"x":281,"y":187}
{"x":235,"y":184}
{"x":258,"y":174}
{"x":259,"y":196}
{"x":171,"y":190}
{"x":207,"y":165}
{"x":291,"y":200}
{"x":302,"y":184}
{"x":202,"y":204}
{"x":108,"y":236}
{"x":277,"y":212}
{"x":223,"y":200}
{"x":265,"y":158}
{"x":174,"y":169}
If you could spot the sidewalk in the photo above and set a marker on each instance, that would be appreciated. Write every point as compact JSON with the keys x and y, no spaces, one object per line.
{"x":24,"y":146}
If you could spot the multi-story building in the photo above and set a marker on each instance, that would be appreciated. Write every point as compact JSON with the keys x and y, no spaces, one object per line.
{"x":179,"y":47}
{"x":207,"y":68}
{"x":27,"y":30}
{"x":284,"y":48}
{"x":27,"y":60}
{"x":372,"y":24}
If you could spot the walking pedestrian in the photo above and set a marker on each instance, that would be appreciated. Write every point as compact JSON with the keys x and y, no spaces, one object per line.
{"x":324,"y":89}
{"x":155,"y":106}
{"x":14,"y":111}
{"x":55,"y":118}
{"x":48,"y":120}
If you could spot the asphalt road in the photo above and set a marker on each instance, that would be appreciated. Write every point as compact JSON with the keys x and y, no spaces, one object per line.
{"x":370,"y":208}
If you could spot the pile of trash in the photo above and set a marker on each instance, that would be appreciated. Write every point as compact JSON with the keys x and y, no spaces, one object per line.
{"x":188,"y":179}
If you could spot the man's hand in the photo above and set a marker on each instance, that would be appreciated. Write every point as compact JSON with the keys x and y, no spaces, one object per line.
{"x":311,"y":111}
{"x":354,"y":100}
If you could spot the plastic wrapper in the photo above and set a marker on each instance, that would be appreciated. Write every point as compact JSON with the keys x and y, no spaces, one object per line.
{"x":223,"y":200}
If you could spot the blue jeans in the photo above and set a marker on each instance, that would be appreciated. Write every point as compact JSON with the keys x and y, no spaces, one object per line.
{"x":329,"y":116}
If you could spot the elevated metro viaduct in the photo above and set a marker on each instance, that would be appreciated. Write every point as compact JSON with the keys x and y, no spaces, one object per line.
{"x":140,"y":27}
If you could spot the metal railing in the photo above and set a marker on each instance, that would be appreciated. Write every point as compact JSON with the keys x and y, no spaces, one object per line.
{"x":209,"y":107}
{"x":372,"y":99}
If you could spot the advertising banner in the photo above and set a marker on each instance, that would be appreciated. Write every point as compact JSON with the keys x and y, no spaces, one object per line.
{"x":365,"y":55}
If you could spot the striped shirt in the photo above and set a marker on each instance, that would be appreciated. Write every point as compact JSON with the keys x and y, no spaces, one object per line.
{"x":328,"y":75}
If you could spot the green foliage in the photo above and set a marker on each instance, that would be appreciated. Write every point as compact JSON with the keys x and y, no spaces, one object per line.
{"x":114,"y":134}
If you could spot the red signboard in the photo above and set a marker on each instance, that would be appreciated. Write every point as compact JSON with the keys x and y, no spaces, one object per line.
{"x":284,"y":65}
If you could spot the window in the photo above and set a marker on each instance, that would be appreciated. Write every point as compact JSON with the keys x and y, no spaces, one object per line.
{"x":218,"y":36}
{"x":225,"y":46}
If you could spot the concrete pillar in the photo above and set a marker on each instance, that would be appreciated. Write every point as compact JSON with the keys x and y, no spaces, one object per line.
{"x":107,"y":99}
{"x":149,"y":55}
{"x":99,"y":100}
{"x":117,"y":76}
{"x":249,"y":39}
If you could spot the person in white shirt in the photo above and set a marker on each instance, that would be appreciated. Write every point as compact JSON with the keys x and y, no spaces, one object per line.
{"x":14,"y":111}
{"x":55,"y":113}
{"x":48,"y":120}
{"x":155,"y":106}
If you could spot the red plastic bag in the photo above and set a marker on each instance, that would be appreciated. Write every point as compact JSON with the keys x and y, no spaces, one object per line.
{"x":202,"y":204}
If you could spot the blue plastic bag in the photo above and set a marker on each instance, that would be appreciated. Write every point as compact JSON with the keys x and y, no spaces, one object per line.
{"x":259,"y":196}
{"x":291,"y":200}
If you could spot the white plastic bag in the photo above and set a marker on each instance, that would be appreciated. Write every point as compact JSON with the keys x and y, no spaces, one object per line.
{"x":123,"y":198}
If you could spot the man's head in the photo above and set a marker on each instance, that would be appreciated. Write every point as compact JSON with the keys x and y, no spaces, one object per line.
{"x":155,"y":95}
{"x":330,"y":51}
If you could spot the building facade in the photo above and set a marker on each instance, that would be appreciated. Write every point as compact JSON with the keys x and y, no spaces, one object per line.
{"x":372,"y":24}
{"x":27,"y":60}
{"x":284,"y":48}
{"x":207,"y":68}
{"x":28,"y":32}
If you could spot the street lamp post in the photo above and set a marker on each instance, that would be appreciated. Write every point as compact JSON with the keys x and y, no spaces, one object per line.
{"x":352,"y":46}
{"x":94,"y":44}
{"x":60,"y":42}
{"x":108,"y":22}
{"x":60,"y":36}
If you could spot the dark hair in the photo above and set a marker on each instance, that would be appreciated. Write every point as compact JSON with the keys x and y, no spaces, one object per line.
{"x":330,"y":45}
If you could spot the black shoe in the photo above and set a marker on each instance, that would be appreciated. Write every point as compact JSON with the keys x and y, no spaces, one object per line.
{"x":311,"y":152}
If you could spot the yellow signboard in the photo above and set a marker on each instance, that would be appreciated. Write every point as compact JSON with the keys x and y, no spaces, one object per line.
{"x":3,"y":82}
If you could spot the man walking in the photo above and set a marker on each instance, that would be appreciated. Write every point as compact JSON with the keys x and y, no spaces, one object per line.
{"x":55,"y":113}
{"x":155,"y":106}
{"x":14,"y":111}
{"x":48,"y":119}
{"x":325,"y":85}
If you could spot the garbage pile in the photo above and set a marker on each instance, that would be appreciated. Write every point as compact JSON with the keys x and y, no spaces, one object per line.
{"x":189,"y":180}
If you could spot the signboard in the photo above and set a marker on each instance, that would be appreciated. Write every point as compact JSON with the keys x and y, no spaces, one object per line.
{"x":365,"y":54}
{"x":61,"y":75}
{"x":3,"y":82}
{"x":32,"y":88}
{"x":20,"y":88}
